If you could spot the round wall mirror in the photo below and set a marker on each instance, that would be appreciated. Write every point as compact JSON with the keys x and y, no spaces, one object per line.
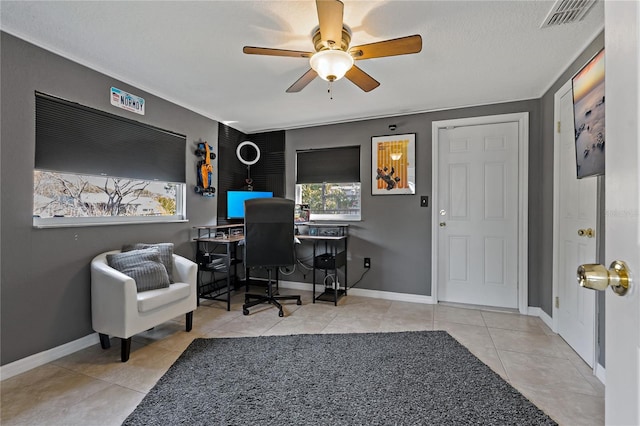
{"x":248,"y":153}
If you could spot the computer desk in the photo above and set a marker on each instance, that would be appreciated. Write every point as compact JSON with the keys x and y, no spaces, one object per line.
{"x":208,"y":243}
{"x":329,"y":259}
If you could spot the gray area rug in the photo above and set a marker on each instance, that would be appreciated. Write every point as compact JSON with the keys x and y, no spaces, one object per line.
{"x":407,"y":378}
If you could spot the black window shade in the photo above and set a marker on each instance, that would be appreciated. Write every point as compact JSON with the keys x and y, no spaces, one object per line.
{"x":332,"y":165}
{"x":74,"y":138}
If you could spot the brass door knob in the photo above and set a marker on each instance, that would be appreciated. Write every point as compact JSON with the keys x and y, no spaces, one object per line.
{"x":597,"y":277}
{"x":586,"y":233}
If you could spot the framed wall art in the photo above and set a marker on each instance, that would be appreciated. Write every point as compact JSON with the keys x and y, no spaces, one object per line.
{"x":589,"y":120}
{"x":393,"y":164}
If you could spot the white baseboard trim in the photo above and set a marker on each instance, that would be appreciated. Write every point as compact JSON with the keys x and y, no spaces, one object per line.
{"x":390,"y":295}
{"x":42,"y":358}
{"x":375,"y":294}
{"x":601,"y":374}
{"x":534,"y":311}
{"x":296,"y":285}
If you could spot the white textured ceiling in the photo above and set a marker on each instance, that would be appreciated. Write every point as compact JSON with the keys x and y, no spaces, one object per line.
{"x":190,"y":52}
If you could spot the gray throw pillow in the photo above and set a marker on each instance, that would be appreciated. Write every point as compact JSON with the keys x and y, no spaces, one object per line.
{"x":143,"y":266}
{"x":164,"y":249}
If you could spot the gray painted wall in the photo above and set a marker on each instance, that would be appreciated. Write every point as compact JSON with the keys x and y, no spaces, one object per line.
{"x":395,"y":232}
{"x":45,"y":272}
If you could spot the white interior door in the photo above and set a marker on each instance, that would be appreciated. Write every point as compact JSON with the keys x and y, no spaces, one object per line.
{"x":576,"y":209}
{"x":622,"y":239}
{"x":478,"y":214}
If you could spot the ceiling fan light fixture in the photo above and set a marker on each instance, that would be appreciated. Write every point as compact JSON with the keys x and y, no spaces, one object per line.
{"x":331,"y":65}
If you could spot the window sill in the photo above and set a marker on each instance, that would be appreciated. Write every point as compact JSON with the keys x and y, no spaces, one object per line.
{"x":333,"y":218}
{"x":39,"y":223}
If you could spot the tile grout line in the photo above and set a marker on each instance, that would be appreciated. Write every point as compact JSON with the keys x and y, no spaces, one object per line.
{"x":495,"y":348}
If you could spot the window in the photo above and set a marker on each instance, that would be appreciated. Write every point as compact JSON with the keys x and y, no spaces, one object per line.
{"x":92,"y":167}
{"x":330,"y":200}
{"x":328,"y":180}
{"x":82,"y":199}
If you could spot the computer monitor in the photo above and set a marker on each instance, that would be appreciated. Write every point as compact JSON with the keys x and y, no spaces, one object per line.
{"x":236,"y":199}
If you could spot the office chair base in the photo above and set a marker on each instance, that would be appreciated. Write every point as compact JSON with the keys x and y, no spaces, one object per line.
{"x":248,"y":303}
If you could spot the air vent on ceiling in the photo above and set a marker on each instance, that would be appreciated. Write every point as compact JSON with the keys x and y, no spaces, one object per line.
{"x":567,"y":11}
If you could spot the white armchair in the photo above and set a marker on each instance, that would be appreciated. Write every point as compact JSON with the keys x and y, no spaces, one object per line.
{"x":118,"y":309}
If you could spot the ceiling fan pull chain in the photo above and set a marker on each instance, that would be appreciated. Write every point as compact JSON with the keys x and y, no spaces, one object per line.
{"x":330,"y":90}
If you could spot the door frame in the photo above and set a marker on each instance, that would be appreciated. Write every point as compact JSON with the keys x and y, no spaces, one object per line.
{"x":556,"y":224}
{"x":522,"y":118}
{"x":622,"y":320}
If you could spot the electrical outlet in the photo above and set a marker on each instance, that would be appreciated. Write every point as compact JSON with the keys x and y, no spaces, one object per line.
{"x":367,"y":262}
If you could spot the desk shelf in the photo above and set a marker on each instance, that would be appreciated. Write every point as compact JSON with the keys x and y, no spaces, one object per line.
{"x":330,"y":295}
{"x":212,"y":290}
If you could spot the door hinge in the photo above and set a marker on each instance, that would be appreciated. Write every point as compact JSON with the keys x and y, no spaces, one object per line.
{"x":557,"y":302}
{"x":558,"y":127}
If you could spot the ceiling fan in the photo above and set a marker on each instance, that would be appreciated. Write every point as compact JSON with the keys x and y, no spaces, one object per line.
{"x":333,"y":58}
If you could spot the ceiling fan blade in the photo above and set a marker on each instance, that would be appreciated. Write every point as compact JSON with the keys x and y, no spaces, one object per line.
{"x":250,"y":50}
{"x":330,"y":14}
{"x":361,"y":79}
{"x":302,"y":81}
{"x":393,"y":47}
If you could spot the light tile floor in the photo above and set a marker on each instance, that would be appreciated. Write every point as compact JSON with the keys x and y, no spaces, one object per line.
{"x":92,"y":386}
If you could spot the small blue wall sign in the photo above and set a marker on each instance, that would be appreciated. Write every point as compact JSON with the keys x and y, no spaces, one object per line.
{"x":124,"y":100}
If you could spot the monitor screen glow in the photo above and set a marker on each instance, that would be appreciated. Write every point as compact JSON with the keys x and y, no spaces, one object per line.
{"x":236,"y":199}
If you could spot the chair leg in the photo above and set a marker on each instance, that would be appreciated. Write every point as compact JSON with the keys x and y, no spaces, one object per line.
{"x":104,"y":341}
{"x":125,"y":349}
{"x":270,"y":297}
{"x":189,"y":320}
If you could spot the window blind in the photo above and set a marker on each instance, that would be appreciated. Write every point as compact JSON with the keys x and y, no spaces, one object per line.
{"x":74,"y":138}
{"x":332,"y":165}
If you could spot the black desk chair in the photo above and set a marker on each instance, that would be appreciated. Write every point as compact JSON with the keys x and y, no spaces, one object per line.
{"x":269,"y":243}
